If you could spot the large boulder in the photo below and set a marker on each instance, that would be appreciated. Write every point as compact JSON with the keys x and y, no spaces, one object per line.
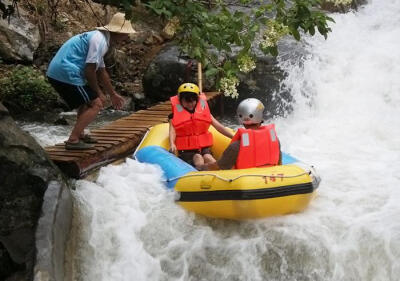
{"x":169,"y":69}
{"x":166,"y":72}
{"x":19,"y":38}
{"x":27,"y":178}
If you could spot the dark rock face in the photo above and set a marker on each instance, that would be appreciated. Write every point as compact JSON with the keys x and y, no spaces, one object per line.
{"x":168,"y":70}
{"x":263,"y":83}
{"x":25,"y":172}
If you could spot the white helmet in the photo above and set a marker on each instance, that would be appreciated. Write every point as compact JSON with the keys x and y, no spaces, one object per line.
{"x":250,"y":111}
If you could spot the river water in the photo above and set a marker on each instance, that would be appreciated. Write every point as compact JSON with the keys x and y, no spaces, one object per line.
{"x":346,"y":122}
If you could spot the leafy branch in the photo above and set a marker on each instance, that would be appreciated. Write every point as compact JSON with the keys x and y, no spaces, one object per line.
{"x":222,"y":39}
{"x":208,"y":35}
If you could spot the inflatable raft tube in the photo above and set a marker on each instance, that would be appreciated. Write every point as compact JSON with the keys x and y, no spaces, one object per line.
{"x":231,"y":194}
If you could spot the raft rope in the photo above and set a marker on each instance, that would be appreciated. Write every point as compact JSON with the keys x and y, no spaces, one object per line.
{"x":241,"y":176}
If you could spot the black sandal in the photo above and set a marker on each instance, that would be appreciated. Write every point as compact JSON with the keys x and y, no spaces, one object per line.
{"x":80,"y":145}
{"x":88,"y":139}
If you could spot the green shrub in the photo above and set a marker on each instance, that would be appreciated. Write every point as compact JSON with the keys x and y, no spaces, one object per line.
{"x":26,"y":89}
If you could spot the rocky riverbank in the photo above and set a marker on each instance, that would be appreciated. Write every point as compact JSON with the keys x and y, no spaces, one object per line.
{"x":27,"y":176}
{"x":30,"y":38}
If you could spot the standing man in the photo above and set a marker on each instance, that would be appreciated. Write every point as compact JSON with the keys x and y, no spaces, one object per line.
{"x":78,"y":69}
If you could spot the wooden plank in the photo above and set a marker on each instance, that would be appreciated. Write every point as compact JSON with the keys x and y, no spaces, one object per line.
{"x":150,"y":120}
{"x":116,"y":131}
{"x":125,"y":128}
{"x":95,"y":146}
{"x":109,"y":141}
{"x":145,"y":115}
{"x":128,"y":128}
{"x":128,"y":135}
{"x":58,"y":149}
{"x":104,"y":133}
{"x":132,"y":125}
{"x":135,"y":120}
{"x":115,"y":140}
{"x":99,"y":148}
{"x":154,"y":112}
{"x":64,"y":158}
{"x":107,"y":145}
{"x":73,"y":153}
{"x":163,"y":107}
{"x":141,"y":115}
{"x":143,"y":118}
{"x":129,"y":122}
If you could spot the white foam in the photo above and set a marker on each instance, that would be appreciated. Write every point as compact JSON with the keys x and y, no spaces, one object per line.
{"x":345,"y":122}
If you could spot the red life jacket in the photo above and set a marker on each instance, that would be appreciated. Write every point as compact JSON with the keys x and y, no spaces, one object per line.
{"x":191,"y":128}
{"x":257,"y":147}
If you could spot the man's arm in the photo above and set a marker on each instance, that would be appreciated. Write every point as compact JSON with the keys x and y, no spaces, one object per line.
{"x":221,"y":128}
{"x":116,"y":100}
{"x":91,"y":77}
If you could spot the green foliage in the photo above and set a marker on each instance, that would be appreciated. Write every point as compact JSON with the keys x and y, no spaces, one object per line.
{"x":232,"y":33}
{"x":221,"y":39}
{"x":26,"y":89}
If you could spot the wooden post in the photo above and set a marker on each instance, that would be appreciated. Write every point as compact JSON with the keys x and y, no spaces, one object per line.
{"x":199,"y":77}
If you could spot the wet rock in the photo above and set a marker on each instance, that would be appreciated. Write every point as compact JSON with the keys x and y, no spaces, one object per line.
{"x":166,"y":72}
{"x":25,"y":173}
{"x":61,"y":121}
{"x":19,"y":38}
{"x":7,"y":265}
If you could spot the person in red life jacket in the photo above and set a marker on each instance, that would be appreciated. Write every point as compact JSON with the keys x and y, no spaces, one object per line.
{"x":252,"y":146}
{"x":189,"y":122}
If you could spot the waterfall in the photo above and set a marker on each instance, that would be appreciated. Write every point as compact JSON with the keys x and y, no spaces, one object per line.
{"x":345,"y":121}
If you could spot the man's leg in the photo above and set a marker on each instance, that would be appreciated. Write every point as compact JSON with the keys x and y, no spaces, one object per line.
{"x":79,"y":112}
{"x":86,"y":115}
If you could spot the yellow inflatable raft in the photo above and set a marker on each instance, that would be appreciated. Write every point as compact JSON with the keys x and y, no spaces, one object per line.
{"x":231,"y":194}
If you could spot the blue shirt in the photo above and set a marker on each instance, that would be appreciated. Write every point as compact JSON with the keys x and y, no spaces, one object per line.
{"x":68,"y":65}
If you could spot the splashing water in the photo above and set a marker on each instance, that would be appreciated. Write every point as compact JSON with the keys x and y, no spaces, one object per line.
{"x":345,"y":122}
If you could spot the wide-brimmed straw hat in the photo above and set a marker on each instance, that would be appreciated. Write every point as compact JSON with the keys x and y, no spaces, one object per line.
{"x":118,"y":24}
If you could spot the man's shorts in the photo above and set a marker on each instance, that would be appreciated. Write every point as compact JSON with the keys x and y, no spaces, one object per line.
{"x":73,"y":95}
{"x":187,"y":155}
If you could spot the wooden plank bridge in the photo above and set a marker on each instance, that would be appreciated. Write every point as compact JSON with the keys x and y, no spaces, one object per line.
{"x":118,"y":139}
